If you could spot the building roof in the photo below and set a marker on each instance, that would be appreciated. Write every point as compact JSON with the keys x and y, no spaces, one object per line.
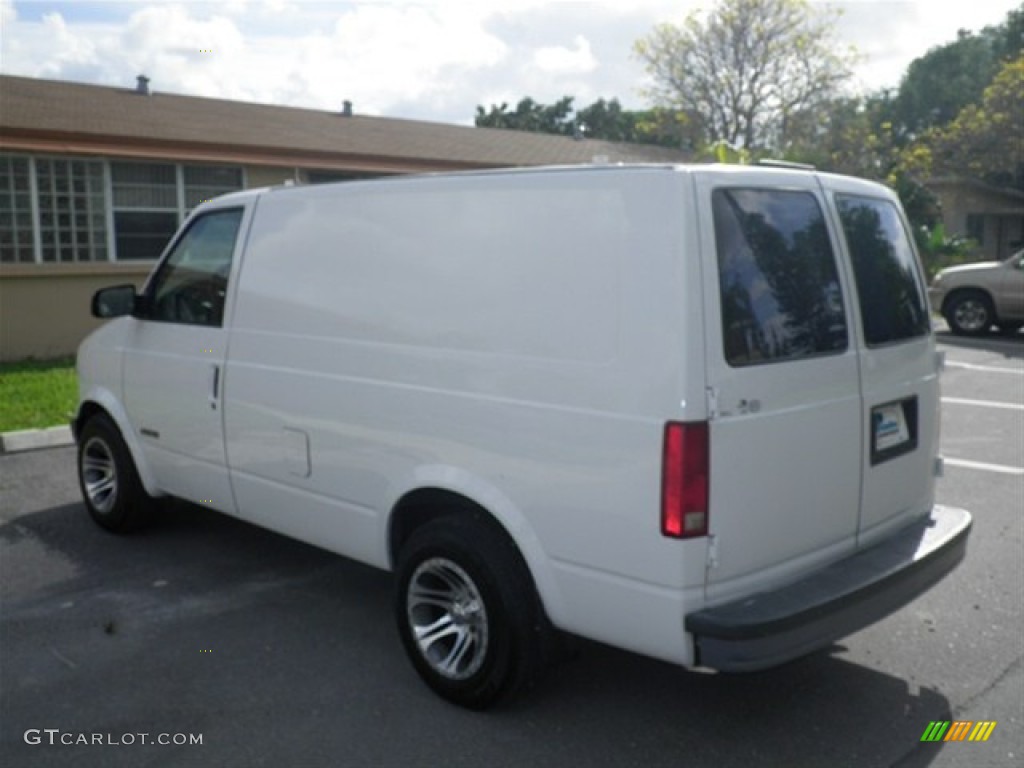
{"x":57,"y":116}
{"x":964,"y":182}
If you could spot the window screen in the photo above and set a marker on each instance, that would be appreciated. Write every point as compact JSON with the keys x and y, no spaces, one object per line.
{"x":976,"y":227}
{"x":144,"y":185}
{"x":205,"y":182}
{"x":143,"y":234}
{"x":145,"y":208}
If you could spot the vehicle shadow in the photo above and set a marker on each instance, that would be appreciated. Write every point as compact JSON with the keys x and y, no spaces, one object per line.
{"x":821,"y":710}
{"x":1005,"y":345}
{"x":282,"y":654}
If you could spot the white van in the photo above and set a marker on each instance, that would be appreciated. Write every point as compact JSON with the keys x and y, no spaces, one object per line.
{"x":691,"y":412}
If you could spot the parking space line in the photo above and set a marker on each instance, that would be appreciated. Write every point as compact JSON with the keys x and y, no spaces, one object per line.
{"x":983,"y":368}
{"x":1002,"y":469}
{"x":982,"y":403}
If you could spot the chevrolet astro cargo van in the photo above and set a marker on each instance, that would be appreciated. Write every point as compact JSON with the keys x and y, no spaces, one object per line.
{"x":691,"y":412}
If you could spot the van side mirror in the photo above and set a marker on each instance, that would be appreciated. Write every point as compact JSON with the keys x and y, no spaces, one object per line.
{"x":116,"y":301}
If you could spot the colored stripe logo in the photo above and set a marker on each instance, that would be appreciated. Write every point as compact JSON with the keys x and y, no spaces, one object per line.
{"x":958,"y":730}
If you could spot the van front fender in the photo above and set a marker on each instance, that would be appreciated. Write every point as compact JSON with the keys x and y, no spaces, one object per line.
{"x":104,"y":400}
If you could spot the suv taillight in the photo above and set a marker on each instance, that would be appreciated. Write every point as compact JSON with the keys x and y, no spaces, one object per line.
{"x":684,"y":480}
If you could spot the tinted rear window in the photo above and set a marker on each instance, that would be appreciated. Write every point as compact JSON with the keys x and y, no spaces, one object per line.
{"x":777,"y":274}
{"x":892,"y":303}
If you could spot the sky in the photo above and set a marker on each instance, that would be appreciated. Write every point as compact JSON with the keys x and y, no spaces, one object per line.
{"x":428,"y":60}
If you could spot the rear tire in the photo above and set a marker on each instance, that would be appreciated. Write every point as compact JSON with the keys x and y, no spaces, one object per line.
{"x":969,"y":313}
{"x":107,"y":477}
{"x":467,"y":612}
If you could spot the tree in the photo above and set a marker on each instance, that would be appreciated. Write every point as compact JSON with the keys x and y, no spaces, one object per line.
{"x":529,"y":115}
{"x":605,"y":120}
{"x":942,"y":82}
{"x":949,"y":77}
{"x":751,"y":73}
{"x":986,"y":140}
{"x":1008,"y":37}
{"x":846,"y":135}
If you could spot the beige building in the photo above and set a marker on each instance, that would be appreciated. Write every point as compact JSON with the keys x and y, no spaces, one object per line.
{"x":991,"y":216}
{"x":94,"y":180}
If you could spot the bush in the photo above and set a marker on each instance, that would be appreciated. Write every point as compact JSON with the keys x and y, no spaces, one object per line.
{"x":939,"y":250}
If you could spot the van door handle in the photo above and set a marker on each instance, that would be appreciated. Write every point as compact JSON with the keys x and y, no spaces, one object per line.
{"x":214,"y":385}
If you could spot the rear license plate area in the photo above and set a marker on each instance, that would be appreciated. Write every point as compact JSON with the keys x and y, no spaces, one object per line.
{"x":893,"y":429}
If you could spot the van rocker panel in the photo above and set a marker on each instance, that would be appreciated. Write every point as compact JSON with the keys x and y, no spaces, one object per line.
{"x":776,"y":626}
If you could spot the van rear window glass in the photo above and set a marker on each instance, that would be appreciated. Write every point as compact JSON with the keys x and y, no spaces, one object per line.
{"x":892,"y":303}
{"x":781,"y":298}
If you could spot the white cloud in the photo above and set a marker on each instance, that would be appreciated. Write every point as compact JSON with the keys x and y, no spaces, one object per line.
{"x":558,"y":59}
{"x":198,"y":56}
{"x":889,"y":34}
{"x":71,"y":48}
{"x":418,"y":59}
{"x":377,"y":56}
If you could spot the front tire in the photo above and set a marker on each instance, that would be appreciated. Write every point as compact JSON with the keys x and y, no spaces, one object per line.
{"x":107,"y":477}
{"x":467,"y":612}
{"x":969,"y":313}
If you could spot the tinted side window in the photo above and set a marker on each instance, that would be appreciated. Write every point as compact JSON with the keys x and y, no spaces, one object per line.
{"x":781,"y":298}
{"x":191,"y":284}
{"x":892,"y":304}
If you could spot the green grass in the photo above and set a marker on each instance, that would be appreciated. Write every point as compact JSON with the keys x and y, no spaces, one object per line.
{"x":37,"y":393}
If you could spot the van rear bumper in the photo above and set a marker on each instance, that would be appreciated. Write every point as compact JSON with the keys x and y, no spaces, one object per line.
{"x":773,"y":627}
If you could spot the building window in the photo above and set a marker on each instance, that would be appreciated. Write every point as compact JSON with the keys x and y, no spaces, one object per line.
{"x":205,"y":182}
{"x":146,"y":214}
{"x":67,"y":209}
{"x":16,"y":242}
{"x":327,"y":177}
{"x":72,"y":218}
{"x":976,"y":227}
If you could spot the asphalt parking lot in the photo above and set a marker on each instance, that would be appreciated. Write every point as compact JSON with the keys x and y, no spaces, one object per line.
{"x":277,"y":654}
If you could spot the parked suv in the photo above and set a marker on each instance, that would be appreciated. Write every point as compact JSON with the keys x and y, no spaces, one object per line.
{"x":974,"y":297}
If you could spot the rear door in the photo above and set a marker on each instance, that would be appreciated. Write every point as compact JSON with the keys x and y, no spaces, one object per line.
{"x":899,"y":371}
{"x":786,"y":426}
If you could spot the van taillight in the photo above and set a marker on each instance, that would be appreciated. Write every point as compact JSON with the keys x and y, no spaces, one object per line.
{"x":684,"y":480}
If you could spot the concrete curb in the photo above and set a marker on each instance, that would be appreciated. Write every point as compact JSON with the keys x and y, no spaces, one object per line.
{"x":32,"y":439}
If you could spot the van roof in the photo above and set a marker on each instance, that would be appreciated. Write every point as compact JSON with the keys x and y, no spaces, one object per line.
{"x":769,"y":171}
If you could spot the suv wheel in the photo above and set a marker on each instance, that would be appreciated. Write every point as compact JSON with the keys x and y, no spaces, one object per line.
{"x":467,"y":612}
{"x":969,"y":313}
{"x":110,"y":484}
